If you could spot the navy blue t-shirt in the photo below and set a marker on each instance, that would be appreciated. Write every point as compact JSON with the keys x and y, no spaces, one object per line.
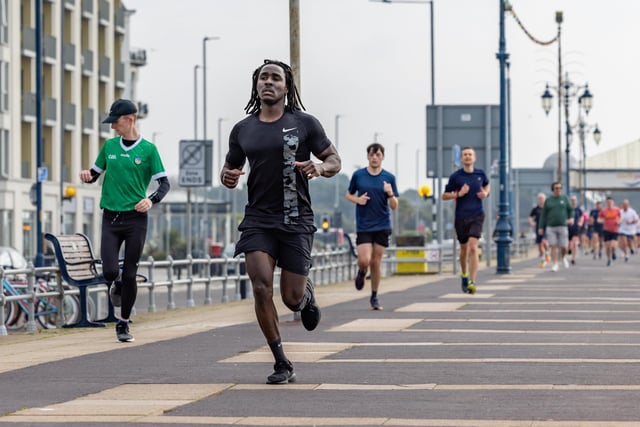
{"x":577,"y":214}
{"x":469,"y":205}
{"x":278,"y":193}
{"x":376,"y":214}
{"x":596,"y":225}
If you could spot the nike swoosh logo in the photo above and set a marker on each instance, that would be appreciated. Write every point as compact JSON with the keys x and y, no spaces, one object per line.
{"x":285,"y":130}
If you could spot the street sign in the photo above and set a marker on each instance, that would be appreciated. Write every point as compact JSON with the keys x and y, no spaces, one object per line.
{"x":195,"y":163}
{"x":451,"y":127}
{"x":43,"y":173}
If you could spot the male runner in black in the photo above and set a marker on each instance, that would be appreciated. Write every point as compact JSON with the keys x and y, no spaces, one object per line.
{"x":277,"y":139}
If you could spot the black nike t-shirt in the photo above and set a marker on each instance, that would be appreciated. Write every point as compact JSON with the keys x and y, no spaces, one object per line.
{"x":278,"y":193}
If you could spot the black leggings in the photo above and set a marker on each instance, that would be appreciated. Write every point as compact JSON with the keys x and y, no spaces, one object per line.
{"x":129,"y":228}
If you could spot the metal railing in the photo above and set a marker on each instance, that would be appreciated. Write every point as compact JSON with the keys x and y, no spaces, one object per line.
{"x":226,"y":277}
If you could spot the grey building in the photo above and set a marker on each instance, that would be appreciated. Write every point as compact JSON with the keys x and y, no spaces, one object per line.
{"x":87,"y":62}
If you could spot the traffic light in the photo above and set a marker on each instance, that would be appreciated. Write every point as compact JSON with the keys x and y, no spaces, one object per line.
{"x":69,"y":192}
{"x":325,"y":224}
{"x":425,"y":191}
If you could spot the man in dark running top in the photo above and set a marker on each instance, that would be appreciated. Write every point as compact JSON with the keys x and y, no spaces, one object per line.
{"x":468,"y":186}
{"x":595,"y":228}
{"x":129,"y":163}
{"x":278,"y":138}
{"x":541,"y":239}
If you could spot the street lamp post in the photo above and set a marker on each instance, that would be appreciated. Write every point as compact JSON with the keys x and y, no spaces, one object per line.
{"x":204,"y":131}
{"x":503,"y":226}
{"x":220,"y":159}
{"x":566,"y":91}
{"x":39,"y":258}
{"x":227,"y":222}
{"x":336,"y":203}
{"x":583,"y":129}
{"x":195,"y":101}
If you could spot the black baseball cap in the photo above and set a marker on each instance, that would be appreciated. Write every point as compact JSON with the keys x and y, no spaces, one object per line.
{"x":121,"y":107}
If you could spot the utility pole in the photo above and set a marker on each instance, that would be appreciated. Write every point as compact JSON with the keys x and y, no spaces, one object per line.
{"x":294,"y":41}
{"x":39,"y":259}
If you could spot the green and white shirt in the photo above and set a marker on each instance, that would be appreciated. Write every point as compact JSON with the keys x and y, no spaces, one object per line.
{"x":127,"y":172}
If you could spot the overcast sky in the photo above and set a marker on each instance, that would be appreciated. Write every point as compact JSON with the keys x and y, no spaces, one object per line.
{"x":370,"y":63}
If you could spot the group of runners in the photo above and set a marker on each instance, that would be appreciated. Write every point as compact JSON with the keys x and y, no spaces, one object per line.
{"x":564,"y":230}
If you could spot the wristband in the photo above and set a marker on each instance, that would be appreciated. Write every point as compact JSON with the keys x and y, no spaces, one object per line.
{"x":390,"y":195}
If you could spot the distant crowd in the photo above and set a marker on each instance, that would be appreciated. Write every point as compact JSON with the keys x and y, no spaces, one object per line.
{"x":564,"y":230}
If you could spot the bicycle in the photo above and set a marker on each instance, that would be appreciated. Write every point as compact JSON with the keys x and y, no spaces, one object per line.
{"x":45,"y":308}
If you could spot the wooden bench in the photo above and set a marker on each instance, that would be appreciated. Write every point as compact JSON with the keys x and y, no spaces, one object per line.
{"x":79,"y":267}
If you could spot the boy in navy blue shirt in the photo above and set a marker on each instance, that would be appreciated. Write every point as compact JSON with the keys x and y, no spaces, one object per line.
{"x":374,"y":192}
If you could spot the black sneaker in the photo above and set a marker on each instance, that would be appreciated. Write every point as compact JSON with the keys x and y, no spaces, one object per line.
{"x":465,"y":283}
{"x":375,"y":304}
{"x":310,"y":314}
{"x":114,"y":295}
{"x":282,"y":373}
{"x":122,"y":332}
{"x":360,"y":279}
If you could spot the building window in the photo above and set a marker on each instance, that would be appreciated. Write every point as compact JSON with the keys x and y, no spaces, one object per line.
{"x":4,"y":153}
{"x":4,"y":86}
{"x":4,"y":22}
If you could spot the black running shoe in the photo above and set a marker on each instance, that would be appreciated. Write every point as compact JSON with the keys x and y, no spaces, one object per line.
{"x":310,"y":314}
{"x":375,"y":304}
{"x":282,"y":373}
{"x":360,"y":279}
{"x":465,"y":283}
{"x":122,"y":332}
{"x":114,"y":295}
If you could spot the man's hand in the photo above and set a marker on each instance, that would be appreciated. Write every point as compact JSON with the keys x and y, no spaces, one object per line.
{"x":230,"y":177}
{"x":388,"y":189}
{"x":85,"y":175}
{"x":363,"y":199}
{"x":144,"y":205}
{"x":463,"y":190}
{"x":310,"y":169}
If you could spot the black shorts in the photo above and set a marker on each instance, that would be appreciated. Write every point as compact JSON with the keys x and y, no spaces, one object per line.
{"x":378,"y":237}
{"x":469,"y":227}
{"x":292,"y":251}
{"x":573,"y":232}
{"x":608,"y":236}
{"x":540,"y":237}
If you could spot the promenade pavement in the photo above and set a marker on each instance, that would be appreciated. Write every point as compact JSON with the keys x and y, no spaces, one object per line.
{"x":532,"y":348}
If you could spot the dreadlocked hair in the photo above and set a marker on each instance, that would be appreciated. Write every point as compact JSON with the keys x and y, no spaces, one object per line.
{"x":293,"y":101}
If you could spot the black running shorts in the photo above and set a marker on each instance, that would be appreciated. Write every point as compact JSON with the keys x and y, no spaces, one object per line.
{"x":469,"y":227}
{"x":292,"y":251}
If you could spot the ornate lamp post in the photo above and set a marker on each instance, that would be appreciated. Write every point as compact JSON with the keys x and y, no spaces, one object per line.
{"x":503,"y":226}
{"x":567,"y":91}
